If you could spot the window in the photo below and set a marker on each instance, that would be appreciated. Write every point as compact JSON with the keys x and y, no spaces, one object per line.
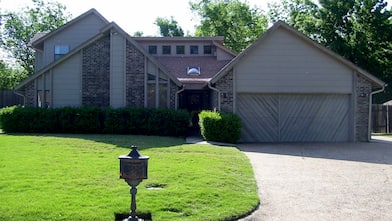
{"x":180,"y":49}
{"x":152,"y":49}
{"x":43,"y":98}
{"x":207,"y":49}
{"x":193,"y":70}
{"x":194,"y":49}
{"x":166,"y":49}
{"x":60,"y":51}
{"x":151,"y":90}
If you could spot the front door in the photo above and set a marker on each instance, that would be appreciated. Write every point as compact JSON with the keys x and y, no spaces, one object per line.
{"x":195,"y":101}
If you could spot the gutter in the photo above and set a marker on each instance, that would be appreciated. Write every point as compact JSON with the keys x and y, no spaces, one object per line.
{"x":218,"y":92}
{"x":22,"y":95}
{"x":370,"y":109}
{"x":177,"y":94}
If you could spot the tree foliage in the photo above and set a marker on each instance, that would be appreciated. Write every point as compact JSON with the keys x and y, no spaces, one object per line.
{"x":10,"y":77}
{"x":236,"y":21}
{"x":169,"y":28}
{"x":18,"y":28}
{"x":359,"y":30}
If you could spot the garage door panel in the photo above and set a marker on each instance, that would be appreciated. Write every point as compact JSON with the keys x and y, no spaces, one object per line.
{"x":265,"y":110}
{"x":297,"y":118}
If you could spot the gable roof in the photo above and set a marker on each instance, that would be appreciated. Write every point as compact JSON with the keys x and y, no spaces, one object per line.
{"x":283,"y":25}
{"x":90,"y":41}
{"x":39,"y":38}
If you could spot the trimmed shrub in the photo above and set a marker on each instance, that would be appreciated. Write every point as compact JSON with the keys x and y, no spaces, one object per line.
{"x":80,"y":119}
{"x":143,"y":121}
{"x":221,"y":127}
{"x":164,"y":122}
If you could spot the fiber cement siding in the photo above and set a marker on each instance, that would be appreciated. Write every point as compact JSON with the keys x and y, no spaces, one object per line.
{"x":117,"y":71}
{"x":294,"y":118}
{"x":73,"y":36}
{"x":283,"y":63}
{"x":67,"y":83}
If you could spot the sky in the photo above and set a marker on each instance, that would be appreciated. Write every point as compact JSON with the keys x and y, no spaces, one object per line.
{"x":132,"y":15}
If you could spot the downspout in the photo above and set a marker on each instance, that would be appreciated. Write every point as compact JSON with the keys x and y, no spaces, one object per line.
{"x":370,"y":109}
{"x":218,"y":92}
{"x":22,"y":95}
{"x":177,"y":94}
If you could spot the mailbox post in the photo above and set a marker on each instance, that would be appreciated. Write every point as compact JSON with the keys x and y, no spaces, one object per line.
{"x":133,"y":168}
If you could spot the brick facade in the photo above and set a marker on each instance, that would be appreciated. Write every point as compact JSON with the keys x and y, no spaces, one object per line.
{"x":173,"y":90}
{"x":225,"y":85}
{"x":30,"y":94}
{"x":134,"y":76}
{"x":363,"y":90}
{"x":96,"y":73}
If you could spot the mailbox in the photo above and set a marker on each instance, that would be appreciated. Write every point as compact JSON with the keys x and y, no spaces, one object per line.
{"x":133,"y":168}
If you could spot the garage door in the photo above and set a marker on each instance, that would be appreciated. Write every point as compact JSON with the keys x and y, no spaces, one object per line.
{"x":294,"y":118}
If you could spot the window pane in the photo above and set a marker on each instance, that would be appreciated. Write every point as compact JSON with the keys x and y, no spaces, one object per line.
{"x":166,"y":49}
{"x":151,"y":77}
{"x":163,"y":95}
{"x":194,"y":49}
{"x":47,"y":98}
{"x":152,"y":49}
{"x":60,"y":50}
{"x":150,"y":95}
{"x":39,"y":98}
{"x":180,"y":49}
{"x":207,"y":49}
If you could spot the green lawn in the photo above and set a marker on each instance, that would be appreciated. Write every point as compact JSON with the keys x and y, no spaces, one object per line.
{"x":76,"y":177}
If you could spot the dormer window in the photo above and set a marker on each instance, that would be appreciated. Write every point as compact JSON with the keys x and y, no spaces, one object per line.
{"x":166,"y":49}
{"x":207,"y":49}
{"x":60,"y":51}
{"x":152,"y":49}
{"x":194,"y":49}
{"x":193,"y":71}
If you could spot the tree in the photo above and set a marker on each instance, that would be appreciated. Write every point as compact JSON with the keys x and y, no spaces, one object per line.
{"x":232,"y":19}
{"x":300,"y":14}
{"x":10,"y":77}
{"x":169,"y":28}
{"x":19,"y":27}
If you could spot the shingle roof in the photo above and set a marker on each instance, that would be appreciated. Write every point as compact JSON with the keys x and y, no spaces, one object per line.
{"x":177,"y":66}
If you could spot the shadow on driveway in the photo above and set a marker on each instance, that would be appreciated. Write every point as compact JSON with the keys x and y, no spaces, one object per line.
{"x":376,"y":151}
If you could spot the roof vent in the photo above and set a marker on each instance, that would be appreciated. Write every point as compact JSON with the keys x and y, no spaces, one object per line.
{"x":193,"y":71}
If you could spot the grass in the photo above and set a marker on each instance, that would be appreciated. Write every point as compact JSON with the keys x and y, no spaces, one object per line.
{"x":76,"y":177}
{"x":382,"y":134}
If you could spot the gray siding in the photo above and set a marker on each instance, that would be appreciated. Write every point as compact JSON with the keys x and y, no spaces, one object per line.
{"x":73,"y":36}
{"x":67,"y":82}
{"x":283,"y":63}
{"x":117,"y":70}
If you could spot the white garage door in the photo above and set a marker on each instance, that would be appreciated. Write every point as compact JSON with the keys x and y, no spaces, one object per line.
{"x":294,"y":118}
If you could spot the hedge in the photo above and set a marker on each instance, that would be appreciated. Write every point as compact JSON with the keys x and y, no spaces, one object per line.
{"x":144,"y":121}
{"x":221,"y":127}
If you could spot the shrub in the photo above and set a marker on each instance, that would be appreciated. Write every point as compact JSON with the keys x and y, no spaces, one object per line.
{"x":221,"y":127}
{"x":80,"y":119}
{"x":143,"y":121}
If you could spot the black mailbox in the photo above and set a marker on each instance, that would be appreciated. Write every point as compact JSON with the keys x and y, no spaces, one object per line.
{"x":133,"y":166}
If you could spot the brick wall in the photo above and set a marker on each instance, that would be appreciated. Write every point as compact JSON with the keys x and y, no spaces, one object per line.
{"x":96,"y":73}
{"x":173,"y":89}
{"x":363,"y":90}
{"x":29,"y":94}
{"x":225,"y":86}
{"x":134,"y":76}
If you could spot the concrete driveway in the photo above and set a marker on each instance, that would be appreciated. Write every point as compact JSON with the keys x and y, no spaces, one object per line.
{"x":338,"y":181}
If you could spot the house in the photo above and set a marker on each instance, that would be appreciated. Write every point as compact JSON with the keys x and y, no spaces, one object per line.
{"x":285,"y":87}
